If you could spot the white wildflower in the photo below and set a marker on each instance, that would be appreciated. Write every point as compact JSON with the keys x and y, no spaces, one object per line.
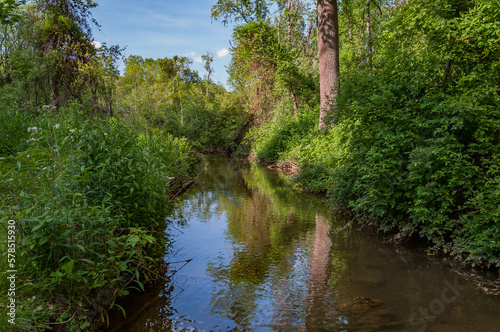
{"x":56,"y":126}
{"x":71,"y":130}
{"x":105,"y":134}
{"x":2,"y":158}
{"x":27,"y":156}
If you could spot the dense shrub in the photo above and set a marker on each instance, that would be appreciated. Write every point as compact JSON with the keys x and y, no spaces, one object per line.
{"x":211,"y":127}
{"x":415,"y":160}
{"x":271,"y":141}
{"x":414,"y":145}
{"x":89,"y":198}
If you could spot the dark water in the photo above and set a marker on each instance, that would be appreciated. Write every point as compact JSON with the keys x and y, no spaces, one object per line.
{"x":267,"y":259}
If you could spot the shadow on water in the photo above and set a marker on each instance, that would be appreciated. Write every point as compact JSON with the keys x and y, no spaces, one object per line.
{"x":265,"y":258}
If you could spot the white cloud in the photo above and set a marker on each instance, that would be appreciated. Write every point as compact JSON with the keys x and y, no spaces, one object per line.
{"x":222,"y":52}
{"x":192,"y":54}
{"x":96,"y":44}
{"x":198,"y":59}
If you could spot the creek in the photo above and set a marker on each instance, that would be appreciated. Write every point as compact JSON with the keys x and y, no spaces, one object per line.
{"x":250,"y":254}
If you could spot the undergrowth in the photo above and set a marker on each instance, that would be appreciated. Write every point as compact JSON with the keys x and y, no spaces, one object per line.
{"x":89,"y":200}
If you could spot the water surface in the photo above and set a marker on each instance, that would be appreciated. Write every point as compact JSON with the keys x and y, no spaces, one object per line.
{"x":264,"y":258}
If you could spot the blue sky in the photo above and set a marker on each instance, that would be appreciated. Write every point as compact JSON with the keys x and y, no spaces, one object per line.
{"x":164,"y":28}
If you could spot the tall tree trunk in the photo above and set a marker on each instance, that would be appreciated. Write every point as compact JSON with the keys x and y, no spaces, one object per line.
{"x":347,"y":10}
{"x":368,"y":36}
{"x":308,"y":38}
{"x":350,"y":30}
{"x":180,"y":102}
{"x":328,"y":49}
{"x":110,"y":107}
{"x":279,"y":31}
{"x":208,"y":81}
{"x":288,"y":22}
{"x":447,"y":70}
{"x":295,"y":104}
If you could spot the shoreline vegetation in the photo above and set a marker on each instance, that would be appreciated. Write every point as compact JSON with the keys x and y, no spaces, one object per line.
{"x":89,"y":199}
{"x":90,"y":158}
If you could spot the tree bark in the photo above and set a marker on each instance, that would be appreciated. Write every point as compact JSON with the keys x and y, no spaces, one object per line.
{"x":350,"y":30}
{"x":288,"y":22}
{"x":328,"y":49}
{"x":447,"y":70}
{"x":368,"y":36}
{"x":308,"y":38}
{"x":279,"y":34}
{"x":295,"y":104}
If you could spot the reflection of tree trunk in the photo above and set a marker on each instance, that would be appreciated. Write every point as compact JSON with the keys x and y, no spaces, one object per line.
{"x":319,"y":277}
{"x":289,"y":216}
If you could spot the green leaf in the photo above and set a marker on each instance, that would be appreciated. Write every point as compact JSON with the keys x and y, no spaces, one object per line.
{"x":68,"y":266}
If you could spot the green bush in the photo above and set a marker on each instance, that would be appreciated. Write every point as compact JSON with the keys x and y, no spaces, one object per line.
{"x":213,"y":127}
{"x":414,"y":159}
{"x":89,"y":198}
{"x":415,"y":144}
{"x":273,"y":141}
{"x":318,"y":155}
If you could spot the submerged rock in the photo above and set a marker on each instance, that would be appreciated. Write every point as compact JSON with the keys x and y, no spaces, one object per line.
{"x":365,"y":314}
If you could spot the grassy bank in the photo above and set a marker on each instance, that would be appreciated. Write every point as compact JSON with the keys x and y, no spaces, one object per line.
{"x":88,"y":198}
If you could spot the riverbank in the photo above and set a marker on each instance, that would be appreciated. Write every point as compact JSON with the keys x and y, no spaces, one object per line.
{"x":407,"y":171}
{"x":475,"y":271}
{"x":88,"y":198}
{"x":263,"y":257}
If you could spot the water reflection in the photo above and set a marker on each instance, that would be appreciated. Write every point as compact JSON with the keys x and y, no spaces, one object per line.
{"x":268,"y":259}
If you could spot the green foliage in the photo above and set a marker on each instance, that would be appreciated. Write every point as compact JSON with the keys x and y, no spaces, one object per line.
{"x":415,"y":143}
{"x":89,"y":199}
{"x":214,"y":129}
{"x":240,"y":10}
{"x":167,"y":95}
{"x":14,"y":134}
{"x":318,"y":154}
{"x":269,"y":73}
{"x":274,"y":141}
{"x":8,"y":11}
{"x":47,"y":58}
